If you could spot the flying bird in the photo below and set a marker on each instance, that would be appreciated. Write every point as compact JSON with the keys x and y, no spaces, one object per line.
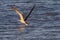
{"x":22,"y":19}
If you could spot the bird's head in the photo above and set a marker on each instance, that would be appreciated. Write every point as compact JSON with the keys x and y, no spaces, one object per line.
{"x":26,"y":24}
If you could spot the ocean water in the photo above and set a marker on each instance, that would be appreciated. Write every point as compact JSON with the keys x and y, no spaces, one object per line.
{"x":44,"y":21}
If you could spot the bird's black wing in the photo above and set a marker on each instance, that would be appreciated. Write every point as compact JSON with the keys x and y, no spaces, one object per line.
{"x":29,"y":13}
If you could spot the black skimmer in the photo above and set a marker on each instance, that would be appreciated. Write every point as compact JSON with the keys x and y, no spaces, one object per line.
{"x":22,"y":19}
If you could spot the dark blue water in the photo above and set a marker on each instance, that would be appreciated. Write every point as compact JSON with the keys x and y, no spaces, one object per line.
{"x":44,"y":22}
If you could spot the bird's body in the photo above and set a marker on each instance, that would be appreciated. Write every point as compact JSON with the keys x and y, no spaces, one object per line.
{"x":22,"y":20}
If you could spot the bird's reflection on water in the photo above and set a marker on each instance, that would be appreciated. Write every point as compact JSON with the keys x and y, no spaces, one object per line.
{"x":21,"y":28}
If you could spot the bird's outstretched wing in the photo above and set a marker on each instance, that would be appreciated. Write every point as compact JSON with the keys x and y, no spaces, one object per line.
{"x":29,"y":12}
{"x":18,"y":12}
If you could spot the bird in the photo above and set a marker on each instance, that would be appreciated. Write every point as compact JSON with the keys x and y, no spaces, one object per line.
{"x":22,"y":19}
